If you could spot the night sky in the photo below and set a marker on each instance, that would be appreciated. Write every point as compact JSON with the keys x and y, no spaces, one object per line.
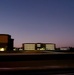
{"x":34,"y":21}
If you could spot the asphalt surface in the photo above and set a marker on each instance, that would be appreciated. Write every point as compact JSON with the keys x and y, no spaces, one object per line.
{"x":34,"y":53}
{"x":36,"y":63}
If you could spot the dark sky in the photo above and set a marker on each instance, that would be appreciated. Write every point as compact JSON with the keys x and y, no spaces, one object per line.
{"x":33,"y":21}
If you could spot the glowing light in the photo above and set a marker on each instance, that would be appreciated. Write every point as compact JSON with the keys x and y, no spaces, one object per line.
{"x":42,"y":48}
{"x":14,"y":49}
{"x":2,"y":49}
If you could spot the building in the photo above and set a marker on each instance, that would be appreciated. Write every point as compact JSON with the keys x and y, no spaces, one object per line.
{"x":39,"y":46}
{"x":64,"y":48}
{"x":6,"y":42}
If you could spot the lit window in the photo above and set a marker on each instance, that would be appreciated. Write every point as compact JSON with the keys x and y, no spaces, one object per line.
{"x":38,"y":45}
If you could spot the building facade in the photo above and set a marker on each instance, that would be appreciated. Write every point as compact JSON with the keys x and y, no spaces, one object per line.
{"x":6,"y":42}
{"x":39,"y":46}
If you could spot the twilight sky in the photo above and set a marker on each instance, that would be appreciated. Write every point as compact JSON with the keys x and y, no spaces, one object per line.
{"x":33,"y":21}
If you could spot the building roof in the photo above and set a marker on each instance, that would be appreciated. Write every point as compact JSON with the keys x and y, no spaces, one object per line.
{"x":5,"y":34}
{"x":38,"y":43}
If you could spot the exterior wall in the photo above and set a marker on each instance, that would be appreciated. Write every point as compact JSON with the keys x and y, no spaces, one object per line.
{"x":29,"y":46}
{"x":10,"y":44}
{"x":3,"y":39}
{"x":50,"y":46}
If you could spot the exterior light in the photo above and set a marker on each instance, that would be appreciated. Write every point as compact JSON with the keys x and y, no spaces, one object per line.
{"x":14,"y":49}
{"x":42,"y":48}
{"x":2,"y":49}
{"x":20,"y":49}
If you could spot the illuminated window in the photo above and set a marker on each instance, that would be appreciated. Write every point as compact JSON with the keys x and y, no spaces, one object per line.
{"x":38,"y":45}
{"x":2,"y":49}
